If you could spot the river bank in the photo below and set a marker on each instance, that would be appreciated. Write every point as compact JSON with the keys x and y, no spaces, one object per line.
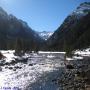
{"x":31,"y":71}
{"x":77,"y":72}
{"x":45,"y":71}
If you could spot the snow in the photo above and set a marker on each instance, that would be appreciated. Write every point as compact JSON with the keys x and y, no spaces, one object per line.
{"x":79,"y":57}
{"x":29,"y":73}
{"x":74,"y":58}
{"x":69,"y":58}
{"x":38,"y":64}
{"x":50,"y":56}
{"x":79,"y":54}
{"x":79,"y":12}
{"x":45,"y":35}
{"x":84,"y":52}
{"x":52,"y":52}
{"x":9,"y":54}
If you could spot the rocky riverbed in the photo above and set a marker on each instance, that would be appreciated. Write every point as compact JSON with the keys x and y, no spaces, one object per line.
{"x":76,"y":75}
{"x":30,"y":71}
{"x":44,"y":71}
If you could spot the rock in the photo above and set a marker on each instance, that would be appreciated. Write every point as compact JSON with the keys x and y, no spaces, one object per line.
{"x":17,"y":67}
{"x":6,"y":67}
{"x":54,"y":80}
{"x":30,"y":64}
{"x":0,"y":69}
{"x":2,"y":56}
{"x":10,"y":67}
{"x":14,"y":69}
{"x":1,"y":64}
{"x":70,"y":67}
{"x":13,"y":62}
{"x":23,"y":60}
{"x":7,"y":63}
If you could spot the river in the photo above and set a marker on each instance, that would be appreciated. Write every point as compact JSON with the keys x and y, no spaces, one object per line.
{"x":38,"y":73}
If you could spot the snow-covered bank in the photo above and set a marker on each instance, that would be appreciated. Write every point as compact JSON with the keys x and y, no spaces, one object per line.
{"x":84,"y":52}
{"x":9,"y":55}
{"x":79,"y":54}
{"x":77,"y":72}
{"x":21,"y":75}
{"x":52,"y":52}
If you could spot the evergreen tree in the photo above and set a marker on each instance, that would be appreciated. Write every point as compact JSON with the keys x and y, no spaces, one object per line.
{"x":18,"y":45}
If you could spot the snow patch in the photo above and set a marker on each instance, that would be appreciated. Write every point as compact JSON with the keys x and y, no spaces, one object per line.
{"x":84,"y":52}
{"x":9,"y":54}
{"x":79,"y":57}
{"x":52,"y":52}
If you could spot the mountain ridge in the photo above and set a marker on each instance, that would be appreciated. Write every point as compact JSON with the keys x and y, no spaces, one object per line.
{"x":12,"y":29}
{"x":66,"y":36}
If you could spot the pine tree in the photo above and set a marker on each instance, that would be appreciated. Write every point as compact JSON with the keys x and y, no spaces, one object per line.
{"x":19,"y":45}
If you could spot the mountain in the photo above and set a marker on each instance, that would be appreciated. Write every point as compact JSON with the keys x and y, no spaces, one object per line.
{"x":74,"y":33}
{"x":15,"y":33}
{"x":45,"y":35}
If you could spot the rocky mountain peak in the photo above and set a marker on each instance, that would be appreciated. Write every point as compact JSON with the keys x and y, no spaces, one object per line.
{"x":85,"y":4}
{"x":82,"y":10}
{"x":45,"y":35}
{"x":2,"y":12}
{"x":74,"y":32}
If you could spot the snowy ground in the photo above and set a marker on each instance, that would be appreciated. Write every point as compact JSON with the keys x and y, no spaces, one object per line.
{"x":84,"y":52}
{"x":41,"y":68}
{"x":80,"y":54}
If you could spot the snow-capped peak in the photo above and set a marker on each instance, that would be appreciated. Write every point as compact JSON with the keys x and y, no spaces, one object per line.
{"x":45,"y":35}
{"x":82,"y":10}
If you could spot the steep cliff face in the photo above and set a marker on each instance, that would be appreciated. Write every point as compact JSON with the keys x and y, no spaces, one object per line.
{"x":13,"y":30}
{"x":74,"y":32}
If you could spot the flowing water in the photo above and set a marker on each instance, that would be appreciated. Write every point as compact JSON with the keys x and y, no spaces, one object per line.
{"x":38,"y":73}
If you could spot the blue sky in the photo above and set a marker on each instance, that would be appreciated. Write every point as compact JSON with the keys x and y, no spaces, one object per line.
{"x":41,"y":15}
